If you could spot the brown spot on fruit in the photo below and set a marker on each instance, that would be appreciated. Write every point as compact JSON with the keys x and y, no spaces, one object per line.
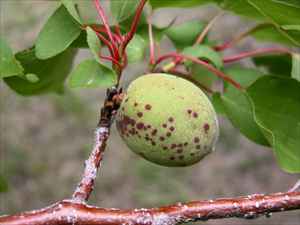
{"x":165,"y":148}
{"x":172,"y":158}
{"x":153,"y":143}
{"x":195,"y":115}
{"x":179,"y":150}
{"x":206,"y":127}
{"x":168,"y":134}
{"x":126,"y":100}
{"x":154,"y":132}
{"x":139,"y":114}
{"x":189,"y":111}
{"x":140,"y":126}
{"x":173,"y":146}
{"x":180,"y":145}
{"x":181,"y":157}
{"x":148,"y":107}
{"x":196,"y":140}
{"x":185,"y":143}
{"x":132,"y":122}
{"x":164,"y":125}
{"x":161,"y":138}
{"x":149,"y":126}
{"x":135,"y":104}
{"x":171,"y":119}
{"x":172,"y":128}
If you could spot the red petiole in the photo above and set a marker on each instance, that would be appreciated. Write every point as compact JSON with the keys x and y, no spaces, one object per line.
{"x":256,"y":52}
{"x":181,"y":57}
{"x":115,"y":42}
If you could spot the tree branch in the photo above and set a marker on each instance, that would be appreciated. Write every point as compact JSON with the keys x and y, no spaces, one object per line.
{"x":110,"y":107}
{"x":70,"y":212}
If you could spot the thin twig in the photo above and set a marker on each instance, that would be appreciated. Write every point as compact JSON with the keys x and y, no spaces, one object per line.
{"x":295,"y":187}
{"x":217,"y":72}
{"x":151,"y":41}
{"x":256,"y":52}
{"x":107,"y":28}
{"x":241,"y":36}
{"x":207,"y":28}
{"x":69,"y":212}
{"x":134,"y":24}
{"x":86,"y":185}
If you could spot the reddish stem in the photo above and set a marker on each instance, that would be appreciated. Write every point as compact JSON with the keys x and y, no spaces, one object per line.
{"x":134,"y":24}
{"x":107,"y":43}
{"x":111,"y":59}
{"x":118,"y":33}
{"x":247,"y":207}
{"x":200,"y":62}
{"x":107,"y":28}
{"x":256,"y":52}
{"x":151,"y":42}
{"x":241,"y":36}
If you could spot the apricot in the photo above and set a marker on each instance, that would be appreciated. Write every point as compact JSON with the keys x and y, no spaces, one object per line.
{"x":167,"y":120}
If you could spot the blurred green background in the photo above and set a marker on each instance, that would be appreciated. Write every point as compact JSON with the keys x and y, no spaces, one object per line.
{"x":44,"y":140}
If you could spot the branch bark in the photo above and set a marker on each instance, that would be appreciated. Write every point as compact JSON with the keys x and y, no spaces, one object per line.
{"x":70,"y":212}
{"x":110,"y":107}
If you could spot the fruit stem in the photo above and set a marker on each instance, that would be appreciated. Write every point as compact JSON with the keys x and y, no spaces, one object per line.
{"x":257,"y":52}
{"x":241,"y":36}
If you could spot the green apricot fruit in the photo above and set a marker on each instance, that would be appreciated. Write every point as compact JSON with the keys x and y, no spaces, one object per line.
{"x":167,"y":120}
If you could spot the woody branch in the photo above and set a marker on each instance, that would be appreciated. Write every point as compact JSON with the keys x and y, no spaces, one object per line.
{"x":70,"y":212}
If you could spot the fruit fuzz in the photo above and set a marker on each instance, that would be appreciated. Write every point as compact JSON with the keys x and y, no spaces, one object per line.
{"x":167,"y":120}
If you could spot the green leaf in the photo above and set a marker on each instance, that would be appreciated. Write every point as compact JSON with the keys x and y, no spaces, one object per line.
{"x":92,"y":74}
{"x":291,"y":27}
{"x":179,"y":3}
{"x":57,"y":35}
{"x":217,"y":103}
{"x":158,"y":32}
{"x":51,"y":72}
{"x":237,"y":106}
{"x":71,"y":7}
{"x":3,"y":184}
{"x":123,"y":9}
{"x":94,"y":43}
{"x":185,"y":35}
{"x":272,"y":34}
{"x":296,"y":66}
{"x":279,"y":13}
{"x":81,"y":41}
{"x":136,"y":49}
{"x":9,"y":66}
{"x":275,"y":64}
{"x":204,"y":52}
{"x":202,"y":75}
{"x":276,"y":102}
